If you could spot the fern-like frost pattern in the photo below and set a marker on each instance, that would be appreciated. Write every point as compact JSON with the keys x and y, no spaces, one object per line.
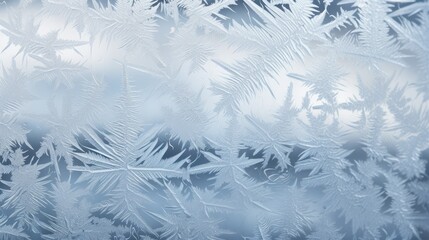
{"x":214,"y":119}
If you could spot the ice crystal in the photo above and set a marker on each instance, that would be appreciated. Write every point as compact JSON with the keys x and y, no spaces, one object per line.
{"x":186,"y":119}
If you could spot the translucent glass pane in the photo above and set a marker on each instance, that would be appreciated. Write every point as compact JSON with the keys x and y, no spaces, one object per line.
{"x":186,"y":119}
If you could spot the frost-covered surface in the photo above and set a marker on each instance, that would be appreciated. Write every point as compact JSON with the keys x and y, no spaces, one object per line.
{"x":227,"y":119}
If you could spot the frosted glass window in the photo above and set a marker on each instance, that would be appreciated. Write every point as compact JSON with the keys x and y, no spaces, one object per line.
{"x":214,"y":119}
